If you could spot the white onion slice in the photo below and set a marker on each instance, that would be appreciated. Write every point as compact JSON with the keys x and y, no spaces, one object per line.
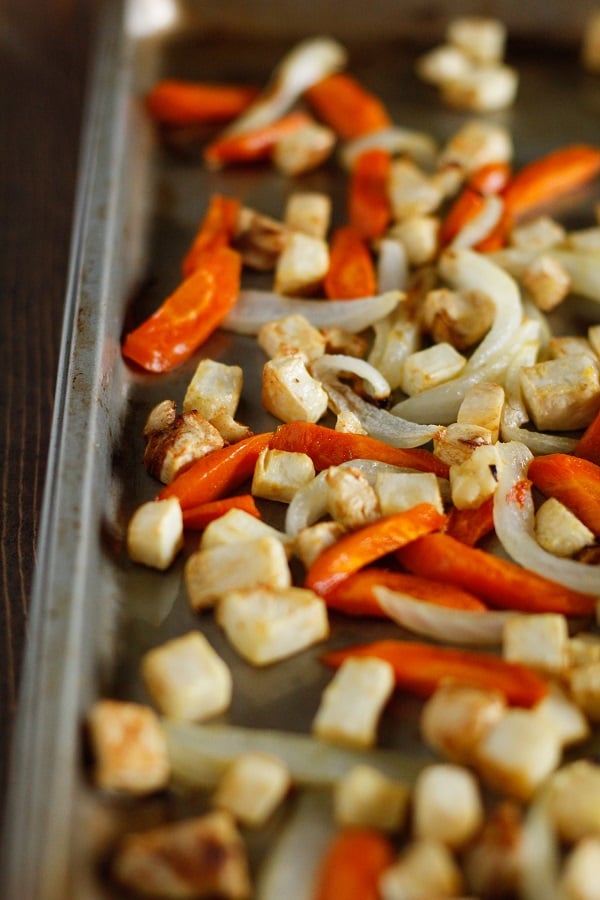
{"x":378,"y":423}
{"x":417,"y":144}
{"x":292,"y":866}
{"x":583,"y":266}
{"x":255,"y":308}
{"x":331,"y":364}
{"x":540,"y":852}
{"x":392,"y":265}
{"x":199,"y":754}
{"x":514,"y":412}
{"x":308,"y":62}
{"x":309,"y":503}
{"x":441,"y":623}
{"x":479,"y":227}
{"x":514,"y":522}
{"x":467,"y":270}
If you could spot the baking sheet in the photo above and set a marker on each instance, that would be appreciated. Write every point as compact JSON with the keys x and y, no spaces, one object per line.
{"x":93,"y":613}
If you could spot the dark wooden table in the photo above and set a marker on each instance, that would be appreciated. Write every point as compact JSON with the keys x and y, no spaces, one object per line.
{"x":44,"y":56}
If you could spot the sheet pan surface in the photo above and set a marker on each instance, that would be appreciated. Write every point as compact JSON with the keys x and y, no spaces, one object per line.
{"x":94,"y":613}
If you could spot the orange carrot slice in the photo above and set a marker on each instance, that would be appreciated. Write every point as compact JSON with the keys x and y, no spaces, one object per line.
{"x":421,"y":668}
{"x":588,"y":445}
{"x":353,"y":864}
{"x":179,"y":103}
{"x":355,"y":596}
{"x":346,"y":106}
{"x":471,"y":525}
{"x":216,"y":474}
{"x":491,"y":178}
{"x":550,"y":177}
{"x":465,"y":208}
{"x":189,"y":315}
{"x":351,"y":271}
{"x":198,"y":517}
{"x":358,"y":548}
{"x":498,"y":582}
{"x":327,"y":447}
{"x":253,"y":145}
{"x":369,"y":209}
{"x":572,"y":480}
{"x":216,"y":230}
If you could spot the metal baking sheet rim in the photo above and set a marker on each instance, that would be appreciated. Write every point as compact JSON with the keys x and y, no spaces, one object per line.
{"x":38,"y":862}
{"x":38,"y":818}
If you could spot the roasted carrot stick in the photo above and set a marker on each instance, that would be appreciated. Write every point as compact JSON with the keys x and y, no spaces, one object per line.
{"x":346,"y":106}
{"x":176,"y":102}
{"x":327,"y":447}
{"x":351,"y":271}
{"x":355,"y":595}
{"x":498,"y":582}
{"x":572,"y":480}
{"x":588,"y":445}
{"x":198,"y":517}
{"x":470,"y":525}
{"x":217,"y":473}
{"x":353,"y":864}
{"x":254,"y":145}
{"x":216,"y":230}
{"x":189,"y":315}
{"x":420,"y":668}
{"x":369,"y":209}
{"x":550,"y":177}
{"x":359,"y":548}
{"x":465,"y":208}
{"x":491,"y":178}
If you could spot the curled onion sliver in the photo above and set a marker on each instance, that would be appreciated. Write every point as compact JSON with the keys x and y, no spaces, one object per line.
{"x":333,"y":363}
{"x":479,"y":227}
{"x":309,"y":503}
{"x":470,"y":271}
{"x":392,"y":265}
{"x":514,"y":522}
{"x":292,"y":866}
{"x":255,"y":308}
{"x":540,"y":852}
{"x":199,"y":754}
{"x":378,"y":423}
{"x":514,"y":412}
{"x":308,"y":62}
{"x":461,"y":626}
{"x":417,"y":144}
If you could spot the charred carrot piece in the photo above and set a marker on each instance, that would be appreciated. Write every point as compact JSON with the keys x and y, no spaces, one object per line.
{"x":346,"y":106}
{"x":198,"y":517}
{"x":588,"y":445}
{"x":465,"y":208}
{"x":550,"y":177}
{"x":327,"y":447}
{"x":353,"y":864}
{"x":498,"y":582}
{"x":180,"y":103}
{"x":471,"y":525}
{"x":369,"y":208}
{"x":355,"y":595}
{"x":572,"y":480}
{"x":491,"y":178}
{"x":361,"y":547}
{"x":216,"y":229}
{"x":253,"y":145}
{"x":216,"y":474}
{"x":189,"y":315}
{"x":351,"y":271}
{"x":420,"y":668}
